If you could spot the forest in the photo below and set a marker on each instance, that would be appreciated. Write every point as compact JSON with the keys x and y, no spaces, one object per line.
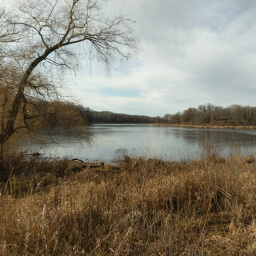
{"x":91,"y":116}
{"x":233,"y":115}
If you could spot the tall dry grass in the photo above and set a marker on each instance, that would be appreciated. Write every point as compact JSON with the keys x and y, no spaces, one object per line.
{"x":141,"y":207}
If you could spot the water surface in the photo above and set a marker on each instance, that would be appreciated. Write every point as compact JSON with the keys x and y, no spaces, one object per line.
{"x":111,"y":141}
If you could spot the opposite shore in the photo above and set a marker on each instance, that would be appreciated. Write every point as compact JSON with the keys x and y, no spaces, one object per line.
{"x":235,"y":127}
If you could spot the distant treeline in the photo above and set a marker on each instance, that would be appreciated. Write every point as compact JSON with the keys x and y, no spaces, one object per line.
{"x":215,"y":115}
{"x":91,"y":116}
{"x":66,"y":114}
{"x":43,"y":113}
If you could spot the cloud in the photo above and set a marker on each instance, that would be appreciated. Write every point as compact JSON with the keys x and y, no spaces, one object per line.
{"x":192,"y":52}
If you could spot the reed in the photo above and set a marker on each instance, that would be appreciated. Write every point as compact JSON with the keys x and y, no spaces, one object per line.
{"x":140,"y":207}
{"x":210,"y":126}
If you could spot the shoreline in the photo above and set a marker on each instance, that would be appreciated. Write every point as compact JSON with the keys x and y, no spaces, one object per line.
{"x":230,"y":127}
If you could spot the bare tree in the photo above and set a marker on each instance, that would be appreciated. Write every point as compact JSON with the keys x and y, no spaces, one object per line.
{"x":189,"y":115}
{"x":41,"y":37}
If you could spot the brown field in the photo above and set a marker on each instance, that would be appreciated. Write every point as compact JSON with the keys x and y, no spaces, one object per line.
{"x":139,"y":207}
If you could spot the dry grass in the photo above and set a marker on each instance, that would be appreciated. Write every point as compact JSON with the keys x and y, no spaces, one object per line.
{"x":151,"y":207}
{"x":210,"y":126}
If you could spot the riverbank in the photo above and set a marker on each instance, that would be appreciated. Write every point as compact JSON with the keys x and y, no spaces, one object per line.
{"x":138,"y":207}
{"x":234,"y":127}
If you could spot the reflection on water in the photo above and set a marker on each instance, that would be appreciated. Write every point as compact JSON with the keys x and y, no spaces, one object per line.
{"x":169,"y":143}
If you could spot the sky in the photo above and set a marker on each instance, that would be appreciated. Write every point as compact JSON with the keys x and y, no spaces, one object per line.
{"x":191,"y":52}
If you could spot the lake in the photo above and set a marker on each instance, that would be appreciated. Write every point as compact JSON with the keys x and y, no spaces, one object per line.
{"x":111,"y":141}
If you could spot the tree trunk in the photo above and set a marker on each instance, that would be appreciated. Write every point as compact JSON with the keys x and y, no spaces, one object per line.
{"x":10,"y":124}
{"x":2,"y":119}
{"x":1,"y":154}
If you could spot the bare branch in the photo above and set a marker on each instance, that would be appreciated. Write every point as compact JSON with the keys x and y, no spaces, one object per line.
{"x":41,"y":37}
